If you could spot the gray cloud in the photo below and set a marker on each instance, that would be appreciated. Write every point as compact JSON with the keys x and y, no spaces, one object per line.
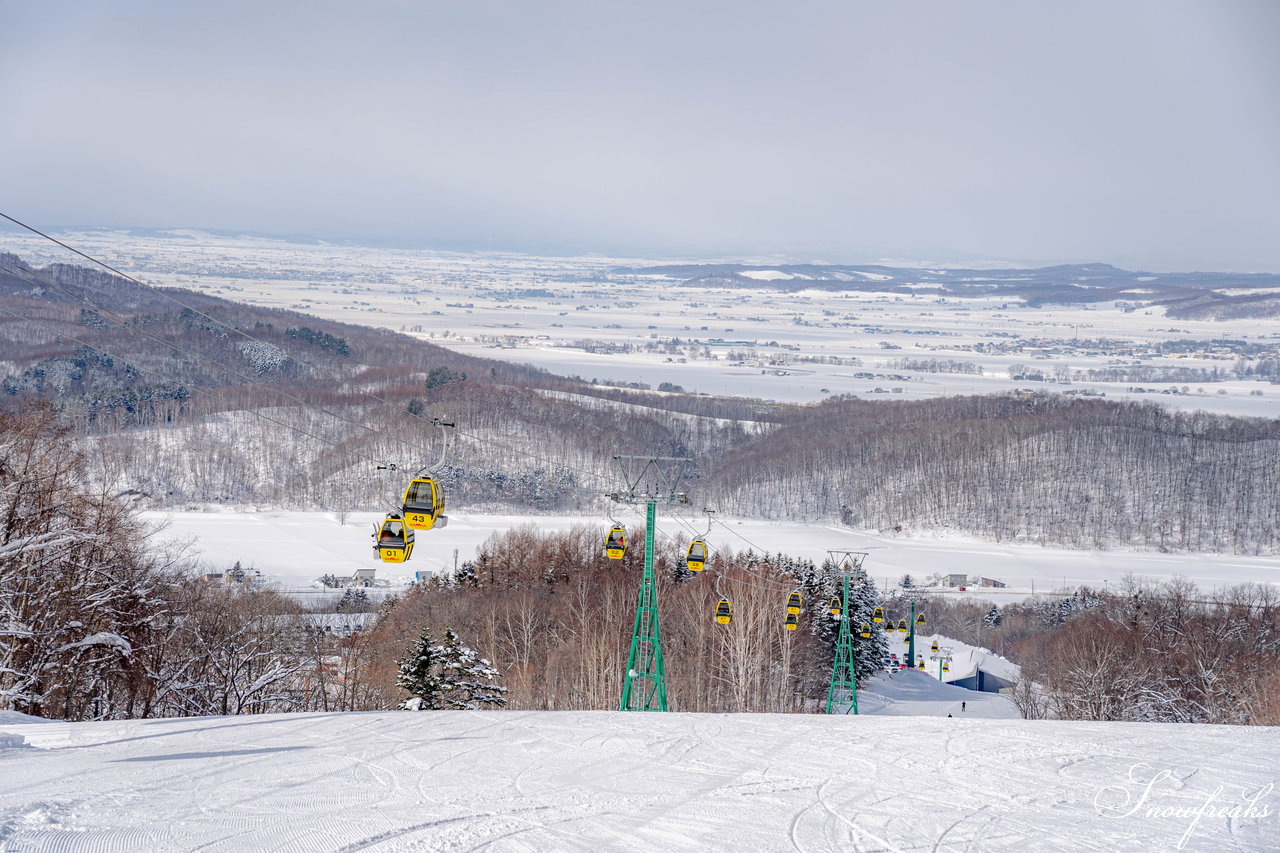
{"x":1138,"y":132}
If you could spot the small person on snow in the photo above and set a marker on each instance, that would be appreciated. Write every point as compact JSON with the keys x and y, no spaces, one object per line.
{"x":948,"y":715}
{"x":962,"y":706}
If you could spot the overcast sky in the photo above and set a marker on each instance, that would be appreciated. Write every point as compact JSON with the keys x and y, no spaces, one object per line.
{"x":1131,"y":132}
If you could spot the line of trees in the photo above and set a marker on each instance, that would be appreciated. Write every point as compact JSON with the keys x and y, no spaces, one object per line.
{"x":95,"y":623}
{"x":1047,"y":469}
{"x":555,"y":617}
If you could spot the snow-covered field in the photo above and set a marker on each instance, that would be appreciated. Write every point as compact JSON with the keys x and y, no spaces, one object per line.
{"x":593,"y":781}
{"x":794,"y":347}
{"x":295,"y":548}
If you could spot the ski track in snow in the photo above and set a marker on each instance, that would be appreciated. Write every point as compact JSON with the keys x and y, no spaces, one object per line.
{"x":533,"y":781}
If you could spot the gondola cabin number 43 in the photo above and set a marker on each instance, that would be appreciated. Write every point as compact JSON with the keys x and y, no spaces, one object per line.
{"x":423,"y":506}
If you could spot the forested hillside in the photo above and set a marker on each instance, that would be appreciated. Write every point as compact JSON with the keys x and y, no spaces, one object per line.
{"x":185,"y":398}
{"x":1085,"y":473}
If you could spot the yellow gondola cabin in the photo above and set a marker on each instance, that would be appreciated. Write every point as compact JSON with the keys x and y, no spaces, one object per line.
{"x":902,"y":626}
{"x":835,"y":607}
{"x":615,"y":545}
{"x":394,"y":543}
{"x":696,"y":557}
{"x":877,"y":615}
{"x":792,"y":621}
{"x":793,"y":603}
{"x":724,"y":611}
{"x":866,"y":631}
{"x":423,"y":504}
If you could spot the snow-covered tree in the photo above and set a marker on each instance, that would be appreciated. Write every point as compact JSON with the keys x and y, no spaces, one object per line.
{"x":868,"y":653}
{"x":993,"y":617}
{"x":262,"y":356}
{"x":354,"y":600}
{"x":447,"y":675}
{"x":78,"y":595}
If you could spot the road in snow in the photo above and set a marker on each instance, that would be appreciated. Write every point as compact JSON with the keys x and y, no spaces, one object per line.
{"x":295,"y":548}
{"x":591,"y":781}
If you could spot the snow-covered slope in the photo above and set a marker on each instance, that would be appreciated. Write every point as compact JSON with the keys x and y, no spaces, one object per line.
{"x":965,"y":659}
{"x":591,"y":781}
{"x":917,"y":694}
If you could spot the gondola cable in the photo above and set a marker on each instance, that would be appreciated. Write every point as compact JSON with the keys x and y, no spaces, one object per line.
{"x":371,"y":395}
{"x":122,"y":322}
{"x":299,"y":359}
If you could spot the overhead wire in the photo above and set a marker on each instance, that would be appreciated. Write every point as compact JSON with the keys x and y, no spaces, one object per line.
{"x":594,"y":475}
{"x":319,"y":368}
{"x":754,"y":576}
{"x":171,"y":298}
{"x":123,"y":323}
{"x":753,"y":572}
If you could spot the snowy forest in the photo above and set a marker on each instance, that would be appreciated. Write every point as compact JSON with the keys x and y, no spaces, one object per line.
{"x":98,"y":625}
{"x":102,"y":417}
{"x":294,"y":412}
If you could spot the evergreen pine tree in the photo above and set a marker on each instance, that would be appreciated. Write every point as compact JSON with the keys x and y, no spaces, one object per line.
{"x":993,"y":617}
{"x":868,"y":653}
{"x":418,"y":674}
{"x":346,"y":602}
{"x":469,"y":680}
{"x":447,"y":675}
{"x":822,"y":585}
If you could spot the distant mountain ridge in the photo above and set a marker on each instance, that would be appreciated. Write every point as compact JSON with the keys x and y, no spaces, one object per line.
{"x":1063,"y":283}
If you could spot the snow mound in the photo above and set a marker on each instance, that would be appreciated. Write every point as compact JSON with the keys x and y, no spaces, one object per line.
{"x":8,"y":740}
{"x":17,"y":717}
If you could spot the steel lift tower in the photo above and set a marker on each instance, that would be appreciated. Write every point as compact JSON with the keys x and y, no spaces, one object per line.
{"x":648,"y":480}
{"x":842,"y":697}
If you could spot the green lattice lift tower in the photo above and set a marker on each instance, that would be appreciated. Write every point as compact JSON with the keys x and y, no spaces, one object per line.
{"x":842,"y":697}
{"x":648,"y":480}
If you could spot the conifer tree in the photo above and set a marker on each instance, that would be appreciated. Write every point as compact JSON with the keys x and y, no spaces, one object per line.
{"x":469,"y":680}
{"x":868,"y":653}
{"x":418,"y":674}
{"x":823,"y":585}
{"x":447,"y":675}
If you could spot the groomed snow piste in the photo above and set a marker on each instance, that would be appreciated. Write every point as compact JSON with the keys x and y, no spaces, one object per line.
{"x":591,"y":781}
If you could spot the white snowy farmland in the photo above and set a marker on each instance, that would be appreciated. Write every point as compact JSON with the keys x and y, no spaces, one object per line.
{"x":790,"y":347}
{"x":295,"y":548}
{"x":592,"y":781}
